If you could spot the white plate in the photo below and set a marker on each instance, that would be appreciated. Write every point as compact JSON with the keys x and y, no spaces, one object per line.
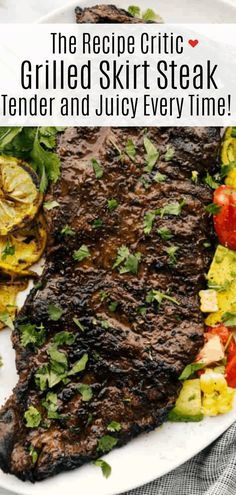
{"x":154,"y":454}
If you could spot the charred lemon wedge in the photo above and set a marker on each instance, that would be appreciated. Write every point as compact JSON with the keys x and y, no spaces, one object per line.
{"x":19,"y":195}
{"x":8,"y":295}
{"x":21,"y":249}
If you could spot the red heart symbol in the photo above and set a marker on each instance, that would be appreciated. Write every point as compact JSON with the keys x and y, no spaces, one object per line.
{"x":193,"y":43}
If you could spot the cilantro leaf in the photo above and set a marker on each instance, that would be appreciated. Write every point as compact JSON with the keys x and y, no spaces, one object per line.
{"x":106,"y":443}
{"x":229,"y":319}
{"x":190,"y":369}
{"x":51,"y":404}
{"x":152,"y":155}
{"x":122,"y":255}
{"x":171,"y":251}
{"x":54,"y":312}
{"x":31,"y":334}
{"x":82,"y":253}
{"x":68,"y":231}
{"x":159,"y":177}
{"x":97,"y":223}
{"x":134,"y":10}
{"x":63,"y":337}
{"x":98,"y":170}
{"x":6,"y":319}
{"x":86,"y":391}
{"x":50,"y":205}
{"x":112,"y":204}
{"x":130,"y":149}
{"x":32,"y":417}
{"x":114,"y":426}
{"x":169,"y":154}
{"x":150,"y":15}
{"x":194,"y":176}
{"x":105,"y":467}
{"x":131,"y":264}
{"x":174,"y":209}
{"x":34,"y":454}
{"x":233,"y":132}
{"x":164,"y":233}
{"x":7,"y":135}
{"x":113,"y":306}
{"x":213,"y":208}
{"x":158,"y":296}
{"x":79,"y":324}
{"x":149,"y":218}
{"x":79,"y":366}
{"x":211,"y":182}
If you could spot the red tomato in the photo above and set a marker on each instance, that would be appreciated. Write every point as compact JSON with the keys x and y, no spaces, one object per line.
{"x":230,"y":370}
{"x":225,"y":220}
{"x":222,"y":331}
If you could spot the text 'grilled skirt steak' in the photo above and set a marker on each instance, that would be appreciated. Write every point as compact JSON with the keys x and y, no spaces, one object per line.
{"x":116,"y":338}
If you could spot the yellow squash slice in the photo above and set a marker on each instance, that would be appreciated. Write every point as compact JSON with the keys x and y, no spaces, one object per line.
{"x":19,"y":195}
{"x":20,"y":250}
{"x":8,"y":295}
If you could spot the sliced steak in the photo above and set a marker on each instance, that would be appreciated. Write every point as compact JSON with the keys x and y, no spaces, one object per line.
{"x":137,"y":331}
{"x":104,"y":14}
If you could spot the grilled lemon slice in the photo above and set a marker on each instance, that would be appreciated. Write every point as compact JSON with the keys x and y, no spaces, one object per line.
{"x":8,"y":295}
{"x":19,"y":195}
{"x":21,"y":249}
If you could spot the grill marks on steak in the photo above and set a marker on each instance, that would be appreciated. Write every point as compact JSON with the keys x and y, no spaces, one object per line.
{"x":134,"y":363}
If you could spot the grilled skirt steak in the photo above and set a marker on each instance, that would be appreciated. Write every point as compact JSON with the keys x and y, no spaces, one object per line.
{"x":102,"y":339}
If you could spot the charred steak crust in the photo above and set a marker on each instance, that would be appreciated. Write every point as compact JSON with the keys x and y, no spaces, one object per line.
{"x":134,"y":359}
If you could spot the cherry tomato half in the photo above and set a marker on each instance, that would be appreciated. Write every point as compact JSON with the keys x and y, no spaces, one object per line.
{"x":225,"y":220}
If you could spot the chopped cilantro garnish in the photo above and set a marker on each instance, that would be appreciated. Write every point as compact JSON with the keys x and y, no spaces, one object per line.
{"x":63,"y":337}
{"x":50,"y":205}
{"x":134,"y":10}
{"x":158,"y":177}
{"x":233,"y":132}
{"x":213,"y":208}
{"x":105,"y":324}
{"x":34,"y":454}
{"x":129,"y":261}
{"x":194,"y":176}
{"x":112,"y":204}
{"x":152,"y":155}
{"x":54,"y":312}
{"x":150,"y":15}
{"x":97,"y":223}
{"x":51,"y":404}
{"x":79,"y":366}
{"x":149,"y":218}
{"x":130,"y":149}
{"x":31,"y":334}
{"x":113,"y":306}
{"x":103,"y":295}
{"x":171,"y":209}
{"x":9,"y":250}
{"x":170,"y":152}
{"x":190,"y":369}
{"x":79,"y":324}
{"x":98,"y":170}
{"x":229,"y":319}
{"x":171,"y":251}
{"x":86,"y":391}
{"x":211,"y":182}
{"x":164,"y":233}
{"x":142,"y":310}
{"x":6,"y":319}
{"x":82,"y":253}
{"x":32,"y":417}
{"x":114,"y":426}
{"x":105,"y":467}
{"x":106,"y":443}
{"x":158,"y":296}
{"x":68,"y":231}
